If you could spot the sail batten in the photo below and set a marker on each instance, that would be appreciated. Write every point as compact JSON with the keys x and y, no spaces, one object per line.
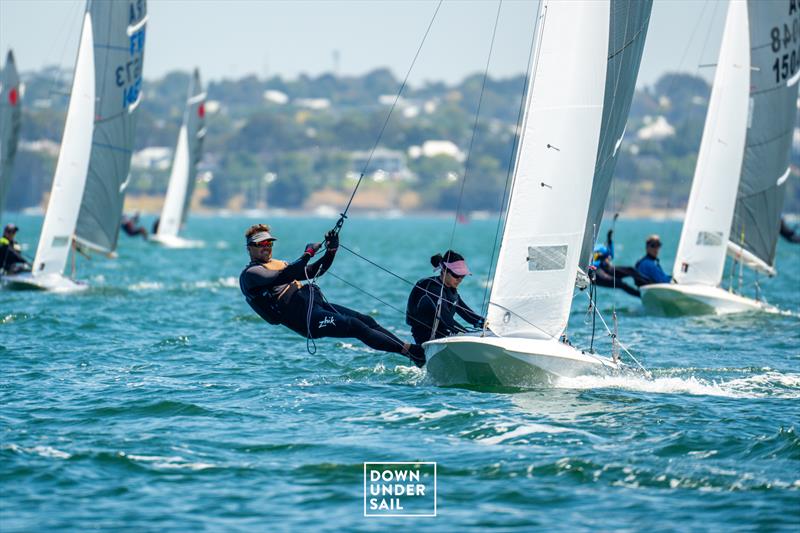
{"x":119,"y":54}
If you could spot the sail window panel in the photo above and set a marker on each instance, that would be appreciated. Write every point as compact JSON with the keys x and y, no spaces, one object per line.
{"x":544,"y":258}
{"x":60,"y":241}
{"x":709,"y":238}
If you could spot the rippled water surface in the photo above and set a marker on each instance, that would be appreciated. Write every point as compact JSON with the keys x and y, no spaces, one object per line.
{"x":158,"y":400}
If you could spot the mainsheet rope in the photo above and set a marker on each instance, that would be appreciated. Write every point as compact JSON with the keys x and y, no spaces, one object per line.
{"x":364,"y":169}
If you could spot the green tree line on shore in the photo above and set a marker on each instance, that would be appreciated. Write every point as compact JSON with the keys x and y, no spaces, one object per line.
{"x":285,"y":139}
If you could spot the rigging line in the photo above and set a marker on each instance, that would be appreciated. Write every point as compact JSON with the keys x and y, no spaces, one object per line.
{"x":553,"y":337}
{"x":388,"y":116}
{"x":371,"y":295}
{"x":469,"y":157}
{"x":511,"y":163}
{"x":401,"y":278}
{"x":624,"y":348}
{"x":708,"y":36}
{"x":688,"y":45}
{"x":475,"y":123}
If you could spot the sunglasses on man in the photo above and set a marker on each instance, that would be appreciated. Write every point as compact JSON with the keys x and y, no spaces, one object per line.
{"x":262,"y":244}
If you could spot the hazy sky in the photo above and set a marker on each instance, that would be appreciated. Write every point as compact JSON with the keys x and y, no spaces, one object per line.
{"x":237,"y":37}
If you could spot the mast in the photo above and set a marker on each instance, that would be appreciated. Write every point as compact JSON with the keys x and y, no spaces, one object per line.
{"x":775,"y":58}
{"x":701,"y":251}
{"x":538,"y":259}
{"x":10,"y":113}
{"x":188,"y":153}
{"x":73,"y":162}
{"x":119,"y":54}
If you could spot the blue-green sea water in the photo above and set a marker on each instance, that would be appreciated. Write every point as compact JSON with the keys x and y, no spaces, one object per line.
{"x":157,"y":400}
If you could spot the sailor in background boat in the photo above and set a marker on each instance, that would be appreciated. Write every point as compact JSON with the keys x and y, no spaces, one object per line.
{"x":274,"y":290}
{"x":424,"y":300}
{"x":610,"y":275}
{"x":132,"y":228}
{"x":649,"y":267}
{"x":791,"y":235}
{"x":11,"y":259}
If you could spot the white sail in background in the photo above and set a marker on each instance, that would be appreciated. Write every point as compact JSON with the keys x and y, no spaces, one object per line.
{"x":701,"y":252}
{"x":184,"y":165}
{"x":10,"y":119}
{"x":73,"y":163}
{"x":538,"y":259}
{"x":120,"y":27}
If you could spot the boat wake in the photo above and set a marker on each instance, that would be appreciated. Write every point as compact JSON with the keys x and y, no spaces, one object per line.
{"x":769,"y":384}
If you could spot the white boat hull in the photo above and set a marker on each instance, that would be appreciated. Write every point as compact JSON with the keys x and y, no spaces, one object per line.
{"x":46,"y":282}
{"x":513,"y":362}
{"x":680,"y":300}
{"x":173,"y":241}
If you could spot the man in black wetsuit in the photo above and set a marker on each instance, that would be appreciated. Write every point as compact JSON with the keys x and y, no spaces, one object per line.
{"x":131,"y":226}
{"x":607,"y":274}
{"x":11,"y":259}
{"x":274,"y":289}
{"x":791,"y":235}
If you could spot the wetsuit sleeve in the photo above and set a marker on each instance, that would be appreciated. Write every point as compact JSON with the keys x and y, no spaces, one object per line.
{"x":320,"y":267}
{"x":9,"y":256}
{"x":450,"y":325}
{"x":465,"y":312}
{"x":263,"y":278}
{"x":293,"y":271}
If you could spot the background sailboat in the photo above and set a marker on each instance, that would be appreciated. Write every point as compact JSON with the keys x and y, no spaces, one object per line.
{"x":10,"y":119}
{"x":188,"y":152}
{"x":581,"y":82}
{"x":738,"y":187}
{"x":97,"y":143}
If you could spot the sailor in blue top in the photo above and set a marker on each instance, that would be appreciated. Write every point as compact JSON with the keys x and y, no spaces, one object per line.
{"x":649,"y":267}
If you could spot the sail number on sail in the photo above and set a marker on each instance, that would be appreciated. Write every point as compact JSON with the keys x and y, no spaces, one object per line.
{"x":786,"y":65}
{"x":129,"y":74}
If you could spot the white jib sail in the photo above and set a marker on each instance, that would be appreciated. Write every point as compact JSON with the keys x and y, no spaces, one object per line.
{"x":537,"y":263}
{"x":73,"y":164}
{"x":704,"y":237}
{"x":172,"y":212}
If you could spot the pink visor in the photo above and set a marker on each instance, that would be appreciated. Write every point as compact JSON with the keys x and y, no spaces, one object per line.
{"x":459,"y":268}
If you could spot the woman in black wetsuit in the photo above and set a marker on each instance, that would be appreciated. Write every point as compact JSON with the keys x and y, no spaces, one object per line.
{"x":275,"y":291}
{"x":424,"y":300}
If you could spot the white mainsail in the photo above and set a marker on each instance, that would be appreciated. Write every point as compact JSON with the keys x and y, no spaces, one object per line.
{"x":701,"y":252}
{"x":184,"y":164}
{"x":73,"y":163}
{"x":538,"y":259}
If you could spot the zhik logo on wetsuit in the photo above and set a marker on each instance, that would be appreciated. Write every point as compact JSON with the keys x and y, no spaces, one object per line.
{"x":328,"y":320}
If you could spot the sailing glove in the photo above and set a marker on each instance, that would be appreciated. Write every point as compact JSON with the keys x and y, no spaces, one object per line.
{"x":331,"y":241}
{"x":312,"y":247}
